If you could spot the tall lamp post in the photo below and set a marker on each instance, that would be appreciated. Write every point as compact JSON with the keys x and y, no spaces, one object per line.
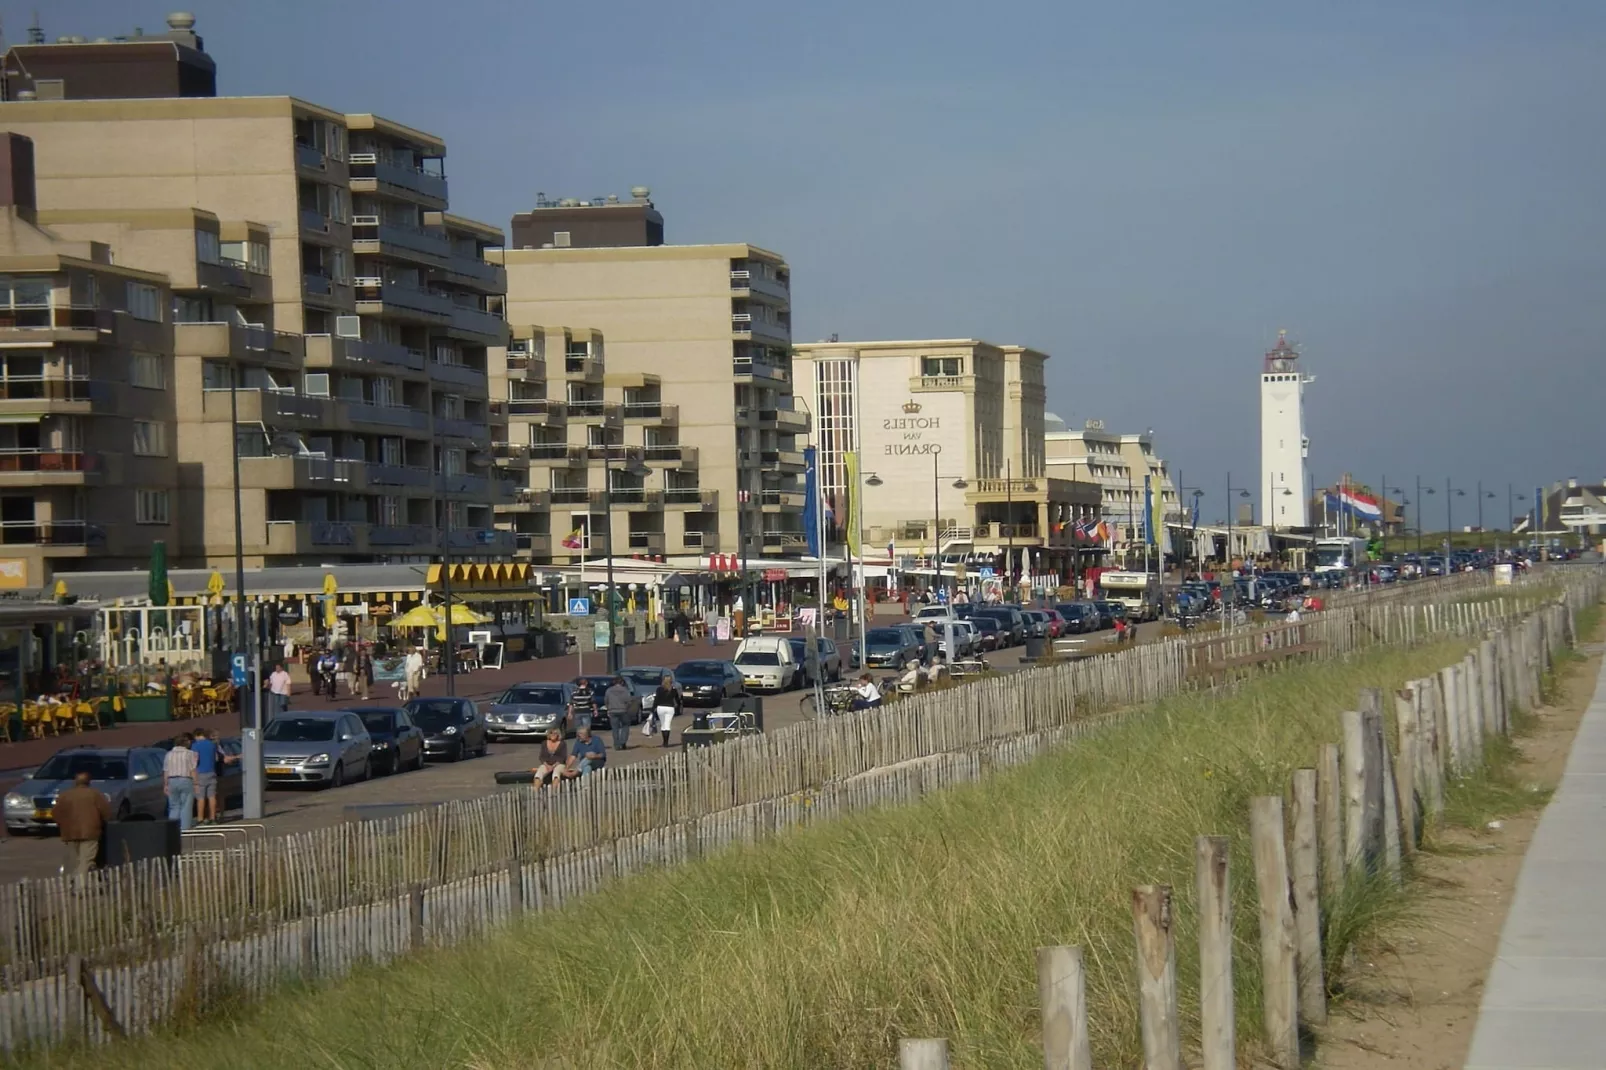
{"x":1450,"y":495}
{"x":479,"y":459}
{"x":1420,"y":490}
{"x":1242,"y":492}
{"x":1383,"y":506}
{"x":1482,"y":494}
{"x":634,"y":467}
{"x":1193,"y":533}
{"x":279,"y":445}
{"x":1287,"y":493}
{"x":1009,"y":524}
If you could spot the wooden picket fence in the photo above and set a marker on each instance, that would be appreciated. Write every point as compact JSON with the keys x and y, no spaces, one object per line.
{"x":1361,"y":808}
{"x":136,"y":946}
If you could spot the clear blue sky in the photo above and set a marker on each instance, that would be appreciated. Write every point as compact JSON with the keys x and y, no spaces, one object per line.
{"x":1147,"y":191}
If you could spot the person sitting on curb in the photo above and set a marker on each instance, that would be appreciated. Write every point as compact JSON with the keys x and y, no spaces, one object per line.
{"x":589,"y":752}
{"x":555,"y":763}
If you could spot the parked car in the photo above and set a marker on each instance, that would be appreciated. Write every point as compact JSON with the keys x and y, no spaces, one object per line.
{"x":528,"y":711}
{"x":892,"y":647}
{"x":1036,"y":623}
{"x":989,"y":634}
{"x":1057,"y":625}
{"x":643,"y":681}
{"x":1109,"y":612}
{"x":706,"y":682}
{"x":1080,"y":617}
{"x":1011,"y":625}
{"x":453,"y":727}
{"x":130,"y":778}
{"x":398,"y":742}
{"x":767,"y":664}
{"x":325,"y":748}
{"x":964,"y":631}
{"x":830,"y":659}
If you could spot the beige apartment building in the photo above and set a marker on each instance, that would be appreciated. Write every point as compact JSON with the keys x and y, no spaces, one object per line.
{"x":696,"y":380}
{"x":1116,"y":464}
{"x":87,"y":461}
{"x":926,"y":414}
{"x":318,"y":271}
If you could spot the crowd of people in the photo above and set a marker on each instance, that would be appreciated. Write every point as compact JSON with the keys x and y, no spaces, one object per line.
{"x":560,"y":762}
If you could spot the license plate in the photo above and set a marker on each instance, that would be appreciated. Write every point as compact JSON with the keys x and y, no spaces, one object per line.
{"x":279,"y":770}
{"x":44,"y":815}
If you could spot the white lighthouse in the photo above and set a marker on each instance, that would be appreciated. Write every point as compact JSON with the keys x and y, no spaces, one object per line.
{"x":1283,"y":445}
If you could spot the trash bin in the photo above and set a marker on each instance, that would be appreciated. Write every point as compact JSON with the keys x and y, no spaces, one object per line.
{"x":840,"y":626}
{"x":1034,"y":646}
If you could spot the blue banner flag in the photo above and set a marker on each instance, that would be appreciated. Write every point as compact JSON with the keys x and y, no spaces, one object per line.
{"x":811,"y":501}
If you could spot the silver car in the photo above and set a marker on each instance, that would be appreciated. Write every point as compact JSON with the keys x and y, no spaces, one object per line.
{"x":129,"y":777}
{"x":322,"y":747}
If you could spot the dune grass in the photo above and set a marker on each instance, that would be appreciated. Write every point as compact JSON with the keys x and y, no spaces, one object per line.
{"x":821,"y":948}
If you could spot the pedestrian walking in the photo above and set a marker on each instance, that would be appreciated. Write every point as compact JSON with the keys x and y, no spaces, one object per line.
{"x":178,"y":782}
{"x":412,"y":674}
{"x":209,"y":759}
{"x":279,"y":689}
{"x":81,"y":816}
{"x":665,"y":704}
{"x":365,"y":672}
{"x":711,"y":625}
{"x":582,"y":704}
{"x":620,"y":702}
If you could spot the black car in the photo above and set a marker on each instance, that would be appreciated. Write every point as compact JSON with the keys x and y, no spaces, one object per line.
{"x":708,"y":682}
{"x":1011,"y":625}
{"x":1109,"y":612}
{"x":892,"y":647}
{"x":988,"y":633}
{"x":1079,"y":617}
{"x":453,"y":728}
{"x":398,"y":742}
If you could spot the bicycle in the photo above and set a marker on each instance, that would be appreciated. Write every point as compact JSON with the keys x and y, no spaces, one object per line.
{"x":838,"y":699}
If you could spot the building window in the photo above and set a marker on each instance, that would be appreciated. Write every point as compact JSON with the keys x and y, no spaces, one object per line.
{"x":24,"y":292}
{"x":147,"y":370}
{"x":208,"y":249}
{"x":144,"y":302}
{"x":560,"y":239}
{"x":150,"y":438}
{"x":930,"y":366}
{"x":150,"y":507}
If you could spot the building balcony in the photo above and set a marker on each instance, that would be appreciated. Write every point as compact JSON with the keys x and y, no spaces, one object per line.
{"x":536,"y":411}
{"x":700,"y":541}
{"x":401,"y":537}
{"x":251,"y":343}
{"x":386,"y":417}
{"x":310,"y":158}
{"x":1003,"y":534}
{"x":998,"y":490}
{"x":266,"y":406}
{"x":288,"y":538}
{"x":56,"y":323}
{"x":36,"y":394}
{"x":604,"y":413}
{"x":532,"y":544}
{"x":774,"y":501}
{"x":925,"y":384}
{"x":691,"y":498}
{"x":398,"y":475}
{"x":637,"y":496}
{"x":577,"y":496}
{"x":579,"y":368}
{"x":746,"y":283}
{"x":322,"y":229}
{"x":511,"y":455}
{"x":371,"y":173}
{"x":395,"y":241}
{"x":330,"y":351}
{"x":651,"y":412}
{"x":303,"y":473}
{"x":785,"y":541}
{"x":475,"y":274}
{"x":786,"y":421}
{"x":527,"y":366}
{"x":759,"y":372}
{"x":557,"y":454}
{"x":527,"y":500}
{"x":233,"y":278}
{"x":670,"y":456}
{"x":785,"y":460}
{"x":477,"y":325}
{"x":463,"y":375}
{"x":461,"y":427}
{"x":56,"y":467}
{"x":57,"y":538}
{"x":647,"y":542}
{"x":377,"y":297}
{"x":480,"y":541}
{"x":745,"y":325}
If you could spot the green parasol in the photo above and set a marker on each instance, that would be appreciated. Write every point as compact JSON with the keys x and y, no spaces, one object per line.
{"x":159,"y":587}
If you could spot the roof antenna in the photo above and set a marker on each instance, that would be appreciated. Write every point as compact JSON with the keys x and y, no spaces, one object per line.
{"x":36,"y":33}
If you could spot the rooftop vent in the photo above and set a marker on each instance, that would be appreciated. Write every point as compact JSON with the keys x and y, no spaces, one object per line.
{"x":181,"y":20}
{"x":640,"y":193}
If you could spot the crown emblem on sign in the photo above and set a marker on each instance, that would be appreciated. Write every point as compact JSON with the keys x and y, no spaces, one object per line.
{"x":911,"y":406}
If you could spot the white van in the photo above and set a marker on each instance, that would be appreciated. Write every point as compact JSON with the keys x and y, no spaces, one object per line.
{"x":766,"y":663}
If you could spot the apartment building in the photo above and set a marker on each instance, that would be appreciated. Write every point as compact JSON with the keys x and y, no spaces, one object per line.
{"x":358,"y":342}
{"x":926,"y":414}
{"x":697,"y":375}
{"x":87,"y":462}
{"x":1117,"y":465}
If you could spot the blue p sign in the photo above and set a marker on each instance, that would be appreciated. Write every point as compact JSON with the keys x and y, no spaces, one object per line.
{"x":237,"y":672}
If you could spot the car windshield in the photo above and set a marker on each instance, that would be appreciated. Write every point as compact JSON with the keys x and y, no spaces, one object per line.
{"x":300,"y":730}
{"x":377,"y":722}
{"x":433,"y":716}
{"x":98,"y":766}
{"x":699,"y":670}
{"x":645,"y":677}
{"x":533,"y":696}
{"x":884,"y":637}
{"x":759,"y":657}
{"x":986,"y":624}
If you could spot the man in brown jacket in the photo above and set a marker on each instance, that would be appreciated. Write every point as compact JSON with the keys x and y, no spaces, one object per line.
{"x":81,"y":816}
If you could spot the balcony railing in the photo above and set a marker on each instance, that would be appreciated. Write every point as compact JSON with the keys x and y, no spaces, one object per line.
{"x":785,"y":539}
{"x":781,"y":497}
{"x":369,"y":165}
{"x":637,"y":496}
{"x":535,"y":407}
{"x":651,"y":410}
{"x":1006,"y":531}
{"x":473,"y":320}
{"x":492,"y":277}
{"x":700,"y":540}
{"x":56,"y":317}
{"x":673,"y":455}
{"x":364,"y":412}
{"x":462,"y":427}
{"x":576,"y":496}
{"x":578,"y":367}
{"x":314,"y":221}
{"x":317,"y":285}
{"x":532,"y":543}
{"x":392,"y":353}
{"x":401,"y":535}
{"x":50,"y":533}
{"x":372,"y":289}
{"x":652,"y":541}
{"x":397,"y":475}
{"x":556,"y":451}
{"x":526,"y":365}
{"x":40,"y":388}
{"x":784,"y":458}
{"x":744,"y":367}
{"x":458,"y":374}
{"x":594,"y":410}
{"x":1019,"y":488}
{"x":707,"y":499}
{"x":310,"y":156}
{"x":370,"y":228}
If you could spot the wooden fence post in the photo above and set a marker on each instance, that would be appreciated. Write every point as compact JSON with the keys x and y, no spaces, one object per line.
{"x":1405,"y":770}
{"x":1450,"y":687}
{"x":415,"y":916}
{"x":927,"y":1054}
{"x":1157,"y":977}
{"x":1062,"y":996}
{"x":1278,"y":955}
{"x":1330,"y":796}
{"x":1355,"y":827}
{"x":1489,"y":698}
{"x":1217,"y":1031}
{"x":1307,"y":914}
{"x":1474,"y":707}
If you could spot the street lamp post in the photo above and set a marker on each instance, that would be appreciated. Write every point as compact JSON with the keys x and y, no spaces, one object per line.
{"x":1482,"y":494}
{"x":1009,"y":524}
{"x":1450,"y":495}
{"x":634,"y":467}
{"x":1420,"y":490}
{"x":479,"y":459}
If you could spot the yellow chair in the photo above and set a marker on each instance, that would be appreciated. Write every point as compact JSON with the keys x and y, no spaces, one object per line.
{"x":185,"y":702}
{"x":34,"y":721}
{"x":86,"y":715}
{"x":220,"y":698}
{"x":8,"y":710}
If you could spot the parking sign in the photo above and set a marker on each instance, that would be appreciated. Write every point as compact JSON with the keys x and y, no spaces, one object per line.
{"x":237,"y":673}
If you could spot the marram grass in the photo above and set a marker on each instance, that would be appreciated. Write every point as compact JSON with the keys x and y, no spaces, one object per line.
{"x":819,"y":949}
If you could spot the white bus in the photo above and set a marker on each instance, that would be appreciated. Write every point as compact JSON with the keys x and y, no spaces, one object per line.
{"x":1340,"y":555}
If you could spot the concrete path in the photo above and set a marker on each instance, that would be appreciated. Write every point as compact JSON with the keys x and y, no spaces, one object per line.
{"x":1544,"y":1006}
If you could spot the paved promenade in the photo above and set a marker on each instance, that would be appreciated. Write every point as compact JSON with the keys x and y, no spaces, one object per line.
{"x":1544,"y":1006}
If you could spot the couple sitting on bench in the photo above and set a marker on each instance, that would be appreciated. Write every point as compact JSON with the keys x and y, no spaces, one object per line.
{"x":559,"y":762}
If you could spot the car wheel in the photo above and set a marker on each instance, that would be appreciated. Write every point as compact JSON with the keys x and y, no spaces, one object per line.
{"x":338,"y":776}
{"x":123,"y":811}
{"x":459,"y":752}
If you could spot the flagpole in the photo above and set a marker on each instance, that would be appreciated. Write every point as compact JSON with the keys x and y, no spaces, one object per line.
{"x":579,"y":656}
